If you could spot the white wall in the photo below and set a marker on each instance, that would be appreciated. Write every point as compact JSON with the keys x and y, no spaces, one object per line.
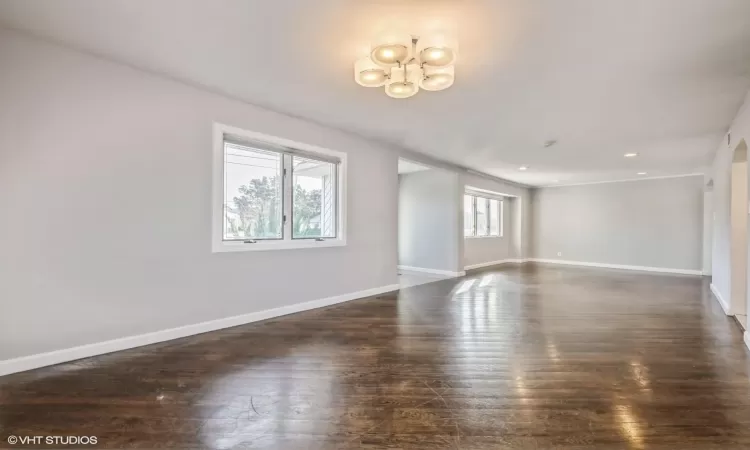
{"x":721,"y":170}
{"x":427,"y":208}
{"x":105,"y":193}
{"x":708,"y":229}
{"x":486,"y":249}
{"x":655,"y":223}
{"x":738,"y":223}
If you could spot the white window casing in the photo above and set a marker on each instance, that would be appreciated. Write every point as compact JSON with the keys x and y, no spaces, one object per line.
{"x":330,"y":224}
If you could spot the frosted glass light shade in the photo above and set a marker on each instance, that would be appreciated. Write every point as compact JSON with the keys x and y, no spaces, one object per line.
{"x":391,"y":48}
{"x":403,"y":85}
{"x":437,"y":78}
{"x":437,"y":50}
{"x":369,"y":74}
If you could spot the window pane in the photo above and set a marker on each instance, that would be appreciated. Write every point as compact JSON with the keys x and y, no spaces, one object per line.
{"x":494,"y":218}
{"x":468,"y":215}
{"x":252,"y":193}
{"x":314,"y":200}
{"x":481,"y":216}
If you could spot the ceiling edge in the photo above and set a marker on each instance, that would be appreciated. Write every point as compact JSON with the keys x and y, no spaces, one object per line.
{"x":624,"y":180}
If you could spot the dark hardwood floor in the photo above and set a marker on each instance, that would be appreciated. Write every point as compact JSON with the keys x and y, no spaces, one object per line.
{"x":519,"y":357}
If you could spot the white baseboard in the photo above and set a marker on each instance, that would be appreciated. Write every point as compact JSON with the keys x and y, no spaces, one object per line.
{"x":495,"y":263}
{"x":423,"y":270}
{"x":617,"y":266}
{"x":24,"y":363}
{"x":721,"y":300}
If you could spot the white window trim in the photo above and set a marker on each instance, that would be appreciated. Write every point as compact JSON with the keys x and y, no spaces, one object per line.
{"x":218,"y":244}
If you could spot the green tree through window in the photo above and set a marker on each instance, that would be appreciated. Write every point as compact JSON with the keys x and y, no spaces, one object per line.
{"x":256,"y":211}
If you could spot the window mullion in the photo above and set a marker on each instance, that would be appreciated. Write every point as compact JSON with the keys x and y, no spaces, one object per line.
{"x":287,"y":192}
{"x":474,"y":208}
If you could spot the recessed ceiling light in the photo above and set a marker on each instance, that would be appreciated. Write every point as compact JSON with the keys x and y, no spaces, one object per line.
{"x":641,"y":173}
{"x":523,"y":168}
{"x":630,"y":155}
{"x":550,"y":143}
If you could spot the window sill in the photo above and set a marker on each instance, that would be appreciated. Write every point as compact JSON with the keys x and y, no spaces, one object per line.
{"x":483,"y":237}
{"x":222,"y":246}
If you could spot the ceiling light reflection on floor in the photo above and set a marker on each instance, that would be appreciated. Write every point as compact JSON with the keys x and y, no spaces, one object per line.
{"x":640,"y":374}
{"x":552,"y":352}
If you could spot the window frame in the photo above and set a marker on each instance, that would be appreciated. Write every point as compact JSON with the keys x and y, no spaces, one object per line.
{"x":282,"y":166}
{"x":500,"y":218}
{"x":487,"y":219}
{"x":287,"y":148}
{"x":291,"y":199}
{"x":473,"y":214}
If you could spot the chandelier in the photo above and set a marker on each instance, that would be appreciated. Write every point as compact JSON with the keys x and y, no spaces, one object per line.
{"x":404,"y":64}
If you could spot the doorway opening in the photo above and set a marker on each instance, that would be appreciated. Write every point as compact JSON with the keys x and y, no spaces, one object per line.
{"x":738,"y":225}
{"x":427,"y":224}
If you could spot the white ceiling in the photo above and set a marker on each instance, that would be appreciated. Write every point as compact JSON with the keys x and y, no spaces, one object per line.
{"x":662,"y":78}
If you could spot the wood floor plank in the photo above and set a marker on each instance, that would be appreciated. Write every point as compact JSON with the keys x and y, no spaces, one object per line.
{"x":516,"y":357}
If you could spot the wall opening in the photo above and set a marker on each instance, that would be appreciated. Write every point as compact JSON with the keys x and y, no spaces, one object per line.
{"x":428,"y":209}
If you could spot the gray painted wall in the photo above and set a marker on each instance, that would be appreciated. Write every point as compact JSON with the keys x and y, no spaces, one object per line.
{"x":427,"y":225}
{"x":708,"y":228}
{"x":653,"y":223}
{"x":105,"y":193}
{"x":738,"y":225}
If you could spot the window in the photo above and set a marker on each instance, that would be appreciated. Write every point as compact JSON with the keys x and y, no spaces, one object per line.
{"x":314,"y":200}
{"x":468,"y":215}
{"x":483,"y":217}
{"x":271,"y":193}
{"x":252,"y":193}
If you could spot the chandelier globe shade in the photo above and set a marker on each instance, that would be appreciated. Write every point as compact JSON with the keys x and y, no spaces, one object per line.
{"x":404,"y":81}
{"x":369,"y":74}
{"x":437,"y":50}
{"x":391,"y":49}
{"x":437,"y":78}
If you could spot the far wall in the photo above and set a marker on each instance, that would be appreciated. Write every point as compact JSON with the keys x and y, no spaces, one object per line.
{"x":651,"y":223}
